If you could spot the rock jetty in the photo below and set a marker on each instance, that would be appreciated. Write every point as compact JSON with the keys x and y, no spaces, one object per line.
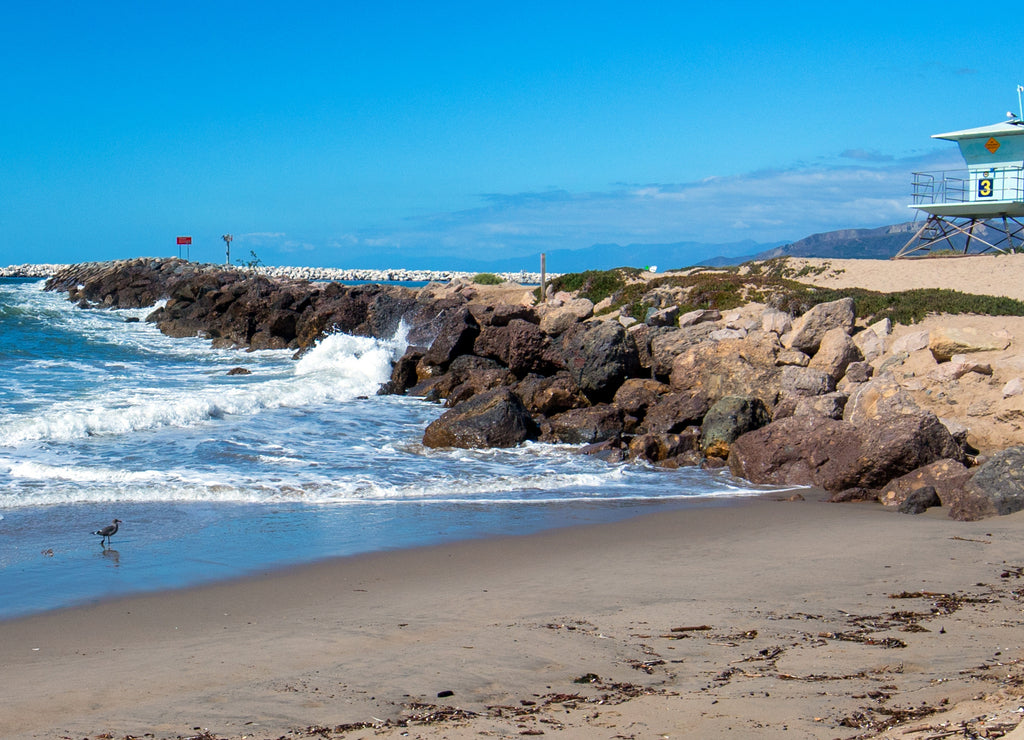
{"x":811,"y":399}
{"x":319,"y":274}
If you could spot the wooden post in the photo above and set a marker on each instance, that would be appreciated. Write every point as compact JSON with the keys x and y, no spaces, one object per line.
{"x":543,"y":278}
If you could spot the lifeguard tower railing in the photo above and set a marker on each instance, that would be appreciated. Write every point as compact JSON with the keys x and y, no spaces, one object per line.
{"x":968,"y":186}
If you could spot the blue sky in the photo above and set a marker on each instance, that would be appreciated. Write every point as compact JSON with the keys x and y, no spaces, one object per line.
{"x":344,"y":134}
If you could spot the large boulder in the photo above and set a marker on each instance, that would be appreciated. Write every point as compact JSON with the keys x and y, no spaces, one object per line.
{"x":996,"y":488}
{"x":805,"y":381}
{"x":799,"y":450}
{"x":636,"y":395}
{"x":733,"y":367}
{"x":585,"y":425}
{"x":518,"y":344}
{"x":558,"y":319}
{"x":835,"y":353}
{"x":495,"y":418}
{"x":895,"y":445}
{"x":599,"y":356}
{"x":945,"y":477}
{"x":880,"y":396}
{"x":729,"y":418}
{"x":458,"y":332}
{"x":666,"y":346}
{"x":809,"y":329}
{"x":946,"y":341}
{"x":550,"y":395}
{"x":837,"y":455}
{"x":673,"y":412}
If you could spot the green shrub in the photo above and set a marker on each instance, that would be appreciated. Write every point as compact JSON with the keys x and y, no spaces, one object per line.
{"x":487,"y":278}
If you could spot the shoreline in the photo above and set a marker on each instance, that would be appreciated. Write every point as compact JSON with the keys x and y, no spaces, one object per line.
{"x":767,"y":618}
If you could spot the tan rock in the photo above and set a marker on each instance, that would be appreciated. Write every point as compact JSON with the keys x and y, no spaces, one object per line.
{"x":911,"y":342}
{"x":777,"y":322}
{"x":946,"y":341}
{"x":835,"y":353}
{"x":559,"y":318}
{"x":881,"y":396}
{"x":1014,"y":387}
{"x":792,"y":357}
{"x":870,"y":344}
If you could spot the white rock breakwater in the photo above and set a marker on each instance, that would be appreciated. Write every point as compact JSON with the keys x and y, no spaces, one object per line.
{"x":32,"y":271}
{"x":318,"y":273}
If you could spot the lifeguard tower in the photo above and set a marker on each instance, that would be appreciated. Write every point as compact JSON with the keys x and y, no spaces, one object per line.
{"x":978,"y":209}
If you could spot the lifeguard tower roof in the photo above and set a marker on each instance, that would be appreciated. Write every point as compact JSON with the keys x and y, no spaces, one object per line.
{"x":1009,"y":128}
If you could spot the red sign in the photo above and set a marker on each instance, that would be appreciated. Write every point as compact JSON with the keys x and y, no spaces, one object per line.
{"x":184,"y":240}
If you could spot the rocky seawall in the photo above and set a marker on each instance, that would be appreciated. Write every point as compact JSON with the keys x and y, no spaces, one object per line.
{"x":810,"y":399}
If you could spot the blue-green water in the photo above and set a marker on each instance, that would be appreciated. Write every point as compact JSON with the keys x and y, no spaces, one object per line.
{"x":216,"y":476}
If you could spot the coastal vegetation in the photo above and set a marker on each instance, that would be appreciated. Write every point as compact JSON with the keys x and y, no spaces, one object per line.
{"x":487,"y":278}
{"x":773,"y":283}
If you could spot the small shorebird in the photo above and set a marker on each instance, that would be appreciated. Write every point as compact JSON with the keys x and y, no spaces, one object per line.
{"x":108,"y":531}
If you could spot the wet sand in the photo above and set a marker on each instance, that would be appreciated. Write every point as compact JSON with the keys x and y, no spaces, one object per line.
{"x":762,"y":619}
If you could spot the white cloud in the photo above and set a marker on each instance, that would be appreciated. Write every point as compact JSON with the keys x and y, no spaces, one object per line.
{"x":765,"y":206}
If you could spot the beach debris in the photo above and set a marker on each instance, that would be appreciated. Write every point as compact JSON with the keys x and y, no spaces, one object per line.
{"x":698,"y":628}
{"x":445,"y":694}
{"x":647,"y":666}
{"x":587,"y":678}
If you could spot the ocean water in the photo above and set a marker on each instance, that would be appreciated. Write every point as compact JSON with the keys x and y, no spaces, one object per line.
{"x":217,"y":476}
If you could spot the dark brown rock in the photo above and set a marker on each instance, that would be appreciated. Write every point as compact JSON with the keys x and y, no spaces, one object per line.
{"x":636,"y":395}
{"x":836,"y":455}
{"x":729,"y":418}
{"x":996,"y":488}
{"x":855,"y":494}
{"x":403,"y":374}
{"x":458,"y":332}
{"x":496,"y":418}
{"x":657,"y":448}
{"x":585,"y":425}
{"x":551,"y":395}
{"x":944,"y":476}
{"x":673,"y":412}
{"x":920,"y":500}
{"x":599,"y":356}
{"x":500,"y":314}
{"x":519,"y":345}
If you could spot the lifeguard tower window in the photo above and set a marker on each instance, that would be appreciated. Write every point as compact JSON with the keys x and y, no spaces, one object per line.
{"x":976,"y":209}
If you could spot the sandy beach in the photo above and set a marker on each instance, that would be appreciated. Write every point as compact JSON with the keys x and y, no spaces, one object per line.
{"x":769,"y":618}
{"x":983,"y":274}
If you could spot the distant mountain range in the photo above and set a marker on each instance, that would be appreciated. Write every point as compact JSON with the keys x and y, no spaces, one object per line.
{"x":879,"y":243}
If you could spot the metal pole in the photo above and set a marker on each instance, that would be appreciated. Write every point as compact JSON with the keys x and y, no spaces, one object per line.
{"x":543,"y":278}
{"x":227,"y":241}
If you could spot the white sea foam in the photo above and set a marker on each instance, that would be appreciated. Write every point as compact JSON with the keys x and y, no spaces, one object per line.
{"x":339,"y":368}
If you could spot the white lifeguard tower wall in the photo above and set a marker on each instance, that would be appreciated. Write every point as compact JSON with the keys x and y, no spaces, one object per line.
{"x":990,"y":189}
